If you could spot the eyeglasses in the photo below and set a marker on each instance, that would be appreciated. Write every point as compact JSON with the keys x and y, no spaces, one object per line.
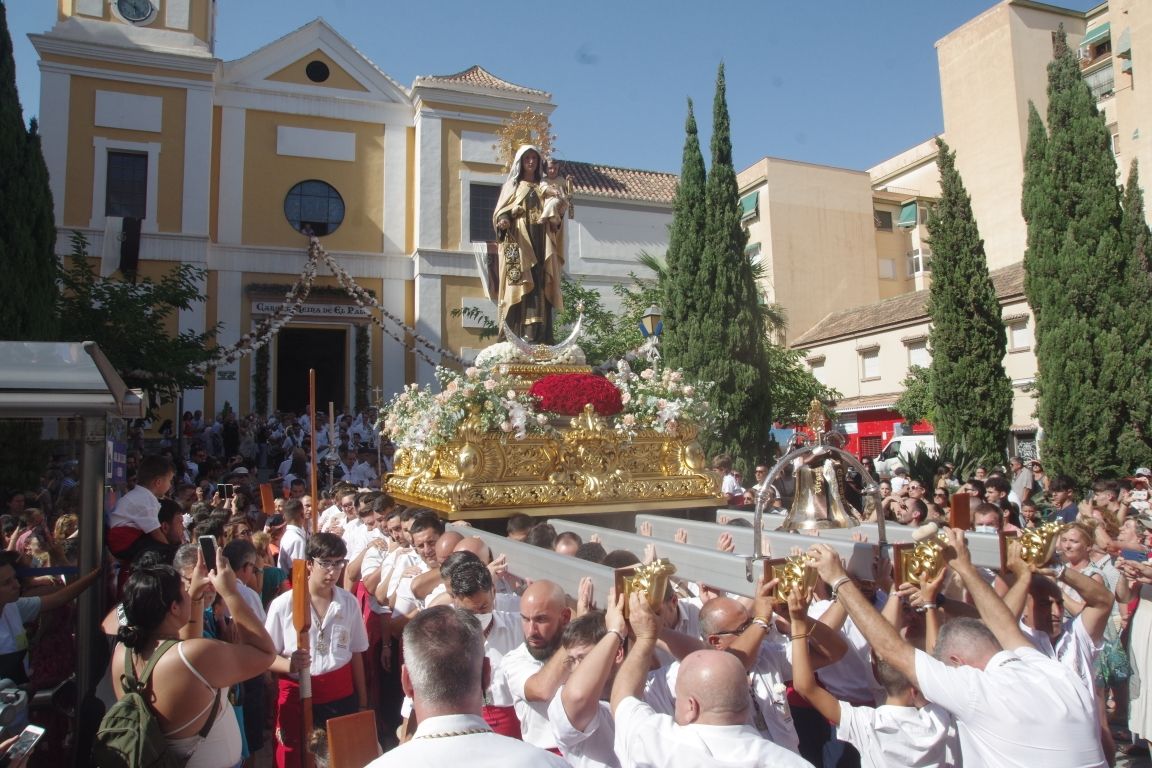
{"x":347,"y":503}
{"x":738,"y":631}
{"x":256,"y":570}
{"x":331,"y":565}
{"x":915,"y":487}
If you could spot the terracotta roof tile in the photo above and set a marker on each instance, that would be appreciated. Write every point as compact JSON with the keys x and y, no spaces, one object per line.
{"x":478,"y":77}
{"x":899,"y":310}
{"x":621,"y":183}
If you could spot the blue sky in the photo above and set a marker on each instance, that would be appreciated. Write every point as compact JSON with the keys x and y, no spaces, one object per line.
{"x":842,"y":82}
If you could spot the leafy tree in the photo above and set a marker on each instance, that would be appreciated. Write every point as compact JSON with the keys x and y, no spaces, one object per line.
{"x":1079,"y":268}
{"x":130,"y":323}
{"x":725,"y":340}
{"x":916,"y":403}
{"x":1134,"y":448}
{"x":685,"y":249}
{"x":27,"y":228}
{"x":971,"y":394}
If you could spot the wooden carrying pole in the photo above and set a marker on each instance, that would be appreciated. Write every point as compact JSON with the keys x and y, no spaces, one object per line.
{"x":302,"y":622}
{"x":309,"y":523}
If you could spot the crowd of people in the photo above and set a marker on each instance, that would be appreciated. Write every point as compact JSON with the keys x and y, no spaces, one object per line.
{"x":459,"y":657}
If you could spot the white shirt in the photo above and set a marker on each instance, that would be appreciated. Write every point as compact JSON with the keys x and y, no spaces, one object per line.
{"x":139,"y":508}
{"x":293,"y":546}
{"x":334,"y":514}
{"x":341,"y":630}
{"x":356,"y":539}
{"x":475,"y":750}
{"x":362,"y":475}
{"x":900,"y":737}
{"x":850,"y":678}
{"x":504,"y":635}
{"x":646,"y":738}
{"x":1023,"y":709}
{"x":591,"y":748}
{"x":766,"y":679}
{"x":1074,"y":649}
{"x":252,"y":600}
{"x":515,"y":669}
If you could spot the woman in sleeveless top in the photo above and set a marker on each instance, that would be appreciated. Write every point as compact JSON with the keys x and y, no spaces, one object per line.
{"x":190,"y":677}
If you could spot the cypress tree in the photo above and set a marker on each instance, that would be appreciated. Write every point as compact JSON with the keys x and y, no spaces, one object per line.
{"x":972,"y":395}
{"x":727,"y":339}
{"x":1078,"y":280}
{"x":27,"y":231}
{"x":1135,"y":447}
{"x":685,"y":244}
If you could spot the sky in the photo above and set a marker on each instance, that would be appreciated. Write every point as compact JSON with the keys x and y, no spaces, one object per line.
{"x":841,"y":82}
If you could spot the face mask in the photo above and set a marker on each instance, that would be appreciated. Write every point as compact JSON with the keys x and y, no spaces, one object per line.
{"x":485,"y":620}
{"x":986,"y":529}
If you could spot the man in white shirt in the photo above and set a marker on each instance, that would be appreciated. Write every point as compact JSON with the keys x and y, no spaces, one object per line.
{"x":445,"y":673}
{"x":294,"y":542}
{"x":579,"y":713}
{"x":1013,"y":708}
{"x":337,"y":639}
{"x":710,"y":724}
{"x":363,"y":473}
{"x":343,"y":510}
{"x":535,"y":670}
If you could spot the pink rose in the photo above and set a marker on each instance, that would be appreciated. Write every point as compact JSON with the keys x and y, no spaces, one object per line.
{"x":647,"y":374}
{"x":490,"y":385}
{"x":506,"y":426}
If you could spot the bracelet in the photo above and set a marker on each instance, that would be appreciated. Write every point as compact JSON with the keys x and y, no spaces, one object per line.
{"x":762,"y":622}
{"x":618,"y":634}
{"x":835,"y":586}
{"x":801,"y":636}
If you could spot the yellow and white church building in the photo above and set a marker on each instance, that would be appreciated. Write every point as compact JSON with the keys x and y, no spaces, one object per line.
{"x":225,"y":163}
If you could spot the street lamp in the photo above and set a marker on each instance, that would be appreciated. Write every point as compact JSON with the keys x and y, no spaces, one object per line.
{"x":651,"y":326}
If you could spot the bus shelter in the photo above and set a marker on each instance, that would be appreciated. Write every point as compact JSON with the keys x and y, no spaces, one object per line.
{"x":75,"y":395}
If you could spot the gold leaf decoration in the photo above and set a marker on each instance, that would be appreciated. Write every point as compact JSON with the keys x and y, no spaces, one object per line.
{"x":525,"y":127}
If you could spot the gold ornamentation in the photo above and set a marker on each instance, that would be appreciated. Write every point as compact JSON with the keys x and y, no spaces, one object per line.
{"x":525,"y":127}
{"x":793,"y":573}
{"x":1037,"y":545}
{"x":925,"y":558}
{"x":649,"y":580}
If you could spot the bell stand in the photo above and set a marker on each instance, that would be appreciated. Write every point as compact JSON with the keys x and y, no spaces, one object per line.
{"x":830,"y":442}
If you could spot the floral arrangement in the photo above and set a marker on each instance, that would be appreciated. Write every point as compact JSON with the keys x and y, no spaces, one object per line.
{"x":506,"y":352}
{"x":659,"y":401}
{"x":567,"y":394}
{"x":418,"y":419}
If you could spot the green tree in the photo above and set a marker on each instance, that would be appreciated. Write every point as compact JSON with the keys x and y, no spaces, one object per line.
{"x":916,"y":403}
{"x":971,"y":394}
{"x":130,"y":323}
{"x":1079,"y":268}
{"x":685,"y":249}
{"x":725,"y":328}
{"x":27,"y":229}
{"x":1135,"y":446}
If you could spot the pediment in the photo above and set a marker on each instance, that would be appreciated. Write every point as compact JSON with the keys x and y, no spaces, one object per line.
{"x":283,"y":65}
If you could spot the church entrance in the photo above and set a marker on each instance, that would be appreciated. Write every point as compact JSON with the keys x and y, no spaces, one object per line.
{"x":297,"y":350}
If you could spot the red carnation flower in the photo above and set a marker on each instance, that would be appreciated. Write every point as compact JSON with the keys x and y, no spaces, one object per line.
{"x":568,"y":393}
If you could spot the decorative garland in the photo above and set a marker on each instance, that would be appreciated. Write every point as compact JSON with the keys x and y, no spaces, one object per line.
{"x":294,"y":299}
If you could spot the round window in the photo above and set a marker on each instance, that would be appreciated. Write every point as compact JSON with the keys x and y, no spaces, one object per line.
{"x":314,"y":208}
{"x":317,"y":71}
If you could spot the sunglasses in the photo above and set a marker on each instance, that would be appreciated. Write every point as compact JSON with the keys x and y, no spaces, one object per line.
{"x":738,"y":631}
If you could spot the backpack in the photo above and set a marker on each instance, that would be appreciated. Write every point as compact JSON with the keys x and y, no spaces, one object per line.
{"x":129,"y":734}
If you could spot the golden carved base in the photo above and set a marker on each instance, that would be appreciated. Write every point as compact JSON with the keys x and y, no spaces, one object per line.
{"x":582,"y":468}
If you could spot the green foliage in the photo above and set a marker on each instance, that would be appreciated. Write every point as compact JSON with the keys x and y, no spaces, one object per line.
{"x":971,"y":396}
{"x":791,"y":386}
{"x":262,"y":361}
{"x":130,"y":323}
{"x":27,"y":228}
{"x":1081,"y":266}
{"x":723,"y":327}
{"x":1135,"y":447}
{"x":605,"y":335}
{"x":916,"y":403}
{"x":363,"y":364}
{"x":685,"y":249}
{"x":922,"y":465}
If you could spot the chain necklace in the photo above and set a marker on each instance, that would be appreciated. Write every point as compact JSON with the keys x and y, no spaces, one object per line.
{"x":322,"y":644}
{"x":448,"y":734}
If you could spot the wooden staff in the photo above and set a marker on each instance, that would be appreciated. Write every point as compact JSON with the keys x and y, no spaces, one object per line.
{"x":309,"y":524}
{"x":267,"y":502}
{"x":302,"y":621}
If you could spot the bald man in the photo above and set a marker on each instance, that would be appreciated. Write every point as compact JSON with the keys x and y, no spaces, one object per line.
{"x":536,"y":669}
{"x":710,"y":724}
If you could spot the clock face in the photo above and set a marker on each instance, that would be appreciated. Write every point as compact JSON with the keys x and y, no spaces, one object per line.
{"x":135,"y":10}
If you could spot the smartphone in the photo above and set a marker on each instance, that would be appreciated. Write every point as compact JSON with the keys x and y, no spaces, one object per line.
{"x":24,"y":745}
{"x":208,"y":547}
{"x":226,"y":490}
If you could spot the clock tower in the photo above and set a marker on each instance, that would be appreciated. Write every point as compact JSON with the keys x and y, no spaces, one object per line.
{"x":178,"y":23}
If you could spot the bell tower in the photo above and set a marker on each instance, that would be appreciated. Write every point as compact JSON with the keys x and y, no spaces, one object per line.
{"x":172,"y":23}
